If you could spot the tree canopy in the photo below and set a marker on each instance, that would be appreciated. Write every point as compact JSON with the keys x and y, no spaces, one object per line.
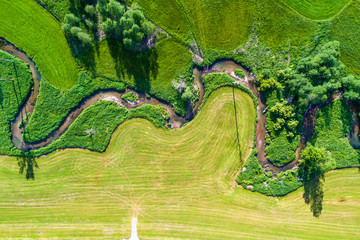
{"x":312,"y":160}
{"x":128,"y":25}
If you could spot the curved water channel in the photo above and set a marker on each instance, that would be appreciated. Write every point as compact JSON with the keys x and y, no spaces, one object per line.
{"x":176,"y":121}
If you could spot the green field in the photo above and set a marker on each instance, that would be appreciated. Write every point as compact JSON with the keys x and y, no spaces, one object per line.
{"x":178,"y":183}
{"x":30,"y":28}
{"x":317,"y":9}
{"x":346,"y":30}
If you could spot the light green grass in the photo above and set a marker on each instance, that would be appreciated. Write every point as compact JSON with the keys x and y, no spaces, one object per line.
{"x":280,"y":27}
{"x":178,"y":184}
{"x":30,"y":28}
{"x":220,"y":25}
{"x":346,"y":30}
{"x":169,"y":15}
{"x":317,"y":9}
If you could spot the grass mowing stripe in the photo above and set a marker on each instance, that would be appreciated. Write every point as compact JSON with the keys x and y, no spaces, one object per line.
{"x":175,"y":182}
{"x":317,"y":9}
{"x":30,"y":28}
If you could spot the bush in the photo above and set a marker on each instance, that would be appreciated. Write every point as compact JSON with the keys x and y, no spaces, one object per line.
{"x":240,"y":73}
{"x":281,"y":150}
{"x":130,"y":96}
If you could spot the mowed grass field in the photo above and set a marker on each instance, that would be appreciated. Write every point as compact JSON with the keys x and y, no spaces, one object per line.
{"x":178,"y":183}
{"x":33,"y":30}
{"x":317,"y":9}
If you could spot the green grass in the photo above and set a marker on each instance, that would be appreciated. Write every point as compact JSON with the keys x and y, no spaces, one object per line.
{"x":280,"y":27}
{"x":220,"y":25}
{"x":175,"y":182}
{"x":130,"y":96}
{"x":333,"y":124}
{"x":57,"y":7}
{"x":151,"y":72}
{"x":11,"y":99}
{"x":170,"y":16}
{"x":30,"y":28}
{"x":281,"y":150}
{"x":345,"y":29}
{"x":317,"y":9}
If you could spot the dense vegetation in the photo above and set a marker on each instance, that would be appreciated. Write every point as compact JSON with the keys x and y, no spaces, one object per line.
{"x":13,"y":93}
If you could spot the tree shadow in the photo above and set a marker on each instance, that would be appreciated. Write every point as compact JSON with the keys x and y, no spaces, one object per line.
{"x":27,"y":162}
{"x":314,"y":194}
{"x":140,"y":66}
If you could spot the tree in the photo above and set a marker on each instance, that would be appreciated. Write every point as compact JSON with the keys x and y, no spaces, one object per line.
{"x":351,"y":87}
{"x":312,"y":161}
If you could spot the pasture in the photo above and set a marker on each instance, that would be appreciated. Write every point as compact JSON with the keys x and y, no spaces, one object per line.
{"x":33,"y":30}
{"x":317,"y":9}
{"x":178,"y":183}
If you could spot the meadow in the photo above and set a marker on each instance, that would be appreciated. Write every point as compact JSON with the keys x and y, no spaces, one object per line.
{"x":180,"y":185}
{"x":33,"y":30}
{"x":317,"y":9}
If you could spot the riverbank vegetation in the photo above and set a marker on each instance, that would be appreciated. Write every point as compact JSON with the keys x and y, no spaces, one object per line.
{"x":152,"y":46}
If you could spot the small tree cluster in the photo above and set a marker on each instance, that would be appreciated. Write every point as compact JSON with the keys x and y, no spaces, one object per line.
{"x":128,"y":25}
{"x":182,"y":85}
{"x":282,"y":114}
{"x":316,"y":77}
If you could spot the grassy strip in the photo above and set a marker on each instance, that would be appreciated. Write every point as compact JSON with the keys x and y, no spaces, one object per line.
{"x":53,"y":105}
{"x":152,"y":71}
{"x":12,"y":96}
{"x":57,"y":7}
{"x":317,"y":10}
{"x":30,"y":28}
